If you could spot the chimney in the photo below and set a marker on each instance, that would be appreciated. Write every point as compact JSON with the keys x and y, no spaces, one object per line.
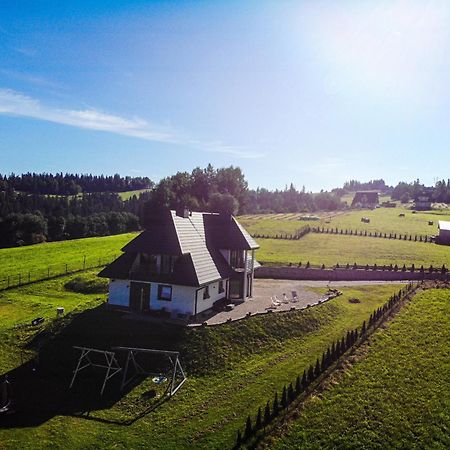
{"x":183,"y":212}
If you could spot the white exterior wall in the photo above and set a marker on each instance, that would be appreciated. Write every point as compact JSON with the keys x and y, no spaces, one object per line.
{"x":183,"y":299}
{"x":119,"y":292}
{"x":214,"y":295}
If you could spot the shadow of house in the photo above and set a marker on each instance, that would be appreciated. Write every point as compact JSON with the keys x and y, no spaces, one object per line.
{"x":41,"y":387}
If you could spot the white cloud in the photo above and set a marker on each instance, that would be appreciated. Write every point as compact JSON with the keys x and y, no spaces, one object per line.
{"x":13,"y":103}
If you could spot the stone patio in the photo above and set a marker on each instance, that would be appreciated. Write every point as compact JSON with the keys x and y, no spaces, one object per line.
{"x":264,"y":289}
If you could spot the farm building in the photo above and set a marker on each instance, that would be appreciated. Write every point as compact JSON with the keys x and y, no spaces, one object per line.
{"x":182,"y":264}
{"x":365,"y":199}
{"x":444,"y":232}
{"x":422,"y":203}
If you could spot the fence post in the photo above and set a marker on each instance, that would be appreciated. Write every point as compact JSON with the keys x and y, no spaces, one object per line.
{"x":84,"y":262}
{"x":66,"y":267}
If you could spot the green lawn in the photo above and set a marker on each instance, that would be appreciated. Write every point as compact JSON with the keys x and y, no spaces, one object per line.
{"x":331,"y":249}
{"x":38,"y":258}
{"x":128,"y":194}
{"x":397,"y":396}
{"x":385,"y":220}
{"x":231,"y":368}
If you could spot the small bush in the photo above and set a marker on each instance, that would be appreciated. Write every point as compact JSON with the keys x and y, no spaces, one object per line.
{"x":85,"y":285}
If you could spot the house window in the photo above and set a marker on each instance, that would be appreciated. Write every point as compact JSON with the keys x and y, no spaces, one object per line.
{"x":206,"y":293}
{"x":164,"y":292}
{"x":221,"y":288}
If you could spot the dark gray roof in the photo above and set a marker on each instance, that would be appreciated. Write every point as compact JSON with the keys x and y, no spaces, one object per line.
{"x":227,"y":233}
{"x":197,"y":239}
{"x":161,"y":238}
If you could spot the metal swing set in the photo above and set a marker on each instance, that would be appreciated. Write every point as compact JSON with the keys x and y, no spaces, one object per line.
{"x":104,"y":359}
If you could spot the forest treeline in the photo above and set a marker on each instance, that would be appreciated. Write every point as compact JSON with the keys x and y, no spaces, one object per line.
{"x":43,"y":207}
{"x":71,"y":184}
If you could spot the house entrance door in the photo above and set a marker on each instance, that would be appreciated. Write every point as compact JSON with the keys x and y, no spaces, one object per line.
{"x":235,"y":289}
{"x":139,"y":296}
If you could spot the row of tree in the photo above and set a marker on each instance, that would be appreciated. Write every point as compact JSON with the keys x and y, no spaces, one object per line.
{"x":71,"y":184}
{"x":34,"y":228}
{"x":329,"y":357}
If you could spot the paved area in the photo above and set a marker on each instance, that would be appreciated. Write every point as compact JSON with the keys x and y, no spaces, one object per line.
{"x":265,"y":289}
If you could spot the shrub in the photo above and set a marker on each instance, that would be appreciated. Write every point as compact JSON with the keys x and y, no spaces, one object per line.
{"x":276,"y":405}
{"x":248,"y":428}
{"x":87,"y":285}
{"x":284,"y":397}
{"x":290,"y":393}
{"x":267,"y":413}
{"x":258,"y":423}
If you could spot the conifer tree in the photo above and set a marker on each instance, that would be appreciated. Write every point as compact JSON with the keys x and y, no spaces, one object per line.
{"x":248,"y":428}
{"x":328,"y":357}
{"x":310,"y":374}
{"x":276,"y":405}
{"x":290,"y":393}
{"x":284,"y":397}
{"x":298,"y":385}
{"x":304,"y":380}
{"x":333,"y":352}
{"x":238,"y":439}
{"x":363,"y":329}
{"x":258,"y":423}
{"x":343,"y":347}
{"x":267,"y":413}
{"x":323,"y":364}
{"x":317,"y":369}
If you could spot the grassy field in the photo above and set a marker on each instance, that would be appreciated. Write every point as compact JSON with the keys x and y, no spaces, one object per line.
{"x":397,"y":395}
{"x":385,"y":220}
{"x":128,"y":194}
{"x":231,"y":369}
{"x":37,"y":258}
{"x":331,"y":249}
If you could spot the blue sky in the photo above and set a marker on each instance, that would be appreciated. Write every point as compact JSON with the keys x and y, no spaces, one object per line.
{"x":312,"y":92}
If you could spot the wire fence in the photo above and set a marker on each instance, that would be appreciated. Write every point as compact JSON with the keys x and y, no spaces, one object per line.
{"x":53,"y":271}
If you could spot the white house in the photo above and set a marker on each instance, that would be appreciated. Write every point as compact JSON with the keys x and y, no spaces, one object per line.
{"x":183,"y":263}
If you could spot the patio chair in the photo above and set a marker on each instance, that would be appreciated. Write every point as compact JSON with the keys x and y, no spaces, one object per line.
{"x":294,"y":297}
{"x":275,"y":301}
{"x":285,"y":299}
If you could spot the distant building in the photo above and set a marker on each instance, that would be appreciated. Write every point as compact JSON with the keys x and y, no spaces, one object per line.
{"x":182,"y":264}
{"x":365,"y":199}
{"x":444,"y":232}
{"x":422,"y":201}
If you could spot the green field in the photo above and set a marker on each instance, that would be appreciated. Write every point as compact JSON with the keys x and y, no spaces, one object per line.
{"x":231,"y":369}
{"x":330,"y":249}
{"x":128,"y":194}
{"x":37,"y":258}
{"x":385,"y":220}
{"x":397,"y":395}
